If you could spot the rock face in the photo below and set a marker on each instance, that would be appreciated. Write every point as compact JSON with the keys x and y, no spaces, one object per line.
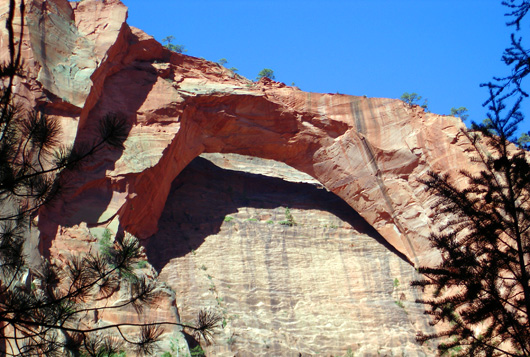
{"x":317,"y":289}
{"x":323,"y":285}
{"x":368,"y":151}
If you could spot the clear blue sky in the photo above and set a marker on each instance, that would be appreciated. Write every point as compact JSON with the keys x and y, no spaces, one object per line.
{"x":440,"y":49}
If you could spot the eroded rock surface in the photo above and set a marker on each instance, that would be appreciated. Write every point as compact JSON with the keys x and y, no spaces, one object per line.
{"x":84,"y":62}
{"x":325,"y":284}
{"x":368,"y":151}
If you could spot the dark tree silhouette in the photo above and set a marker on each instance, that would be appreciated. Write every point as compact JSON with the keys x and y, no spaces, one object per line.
{"x":481,"y":290}
{"x":44,"y":308}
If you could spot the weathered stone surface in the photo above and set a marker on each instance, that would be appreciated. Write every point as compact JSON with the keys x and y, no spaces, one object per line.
{"x":321,"y":287}
{"x":84,"y":62}
{"x":370,"y":152}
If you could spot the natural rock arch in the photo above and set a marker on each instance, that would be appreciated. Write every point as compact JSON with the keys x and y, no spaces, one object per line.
{"x":330,"y":150}
{"x":368,"y":151}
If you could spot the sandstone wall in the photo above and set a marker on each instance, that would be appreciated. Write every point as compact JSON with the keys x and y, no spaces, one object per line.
{"x":84,"y":62}
{"x":324,"y":286}
{"x":368,"y":151}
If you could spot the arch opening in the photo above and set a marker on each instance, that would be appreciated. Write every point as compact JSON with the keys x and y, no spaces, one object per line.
{"x":215,"y":188}
{"x":221,"y":245}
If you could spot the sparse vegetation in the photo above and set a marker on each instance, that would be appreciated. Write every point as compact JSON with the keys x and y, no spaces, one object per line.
{"x":414,"y":99}
{"x":197,"y":351}
{"x":174,"y":347}
{"x":460,"y":112}
{"x":396,"y":283}
{"x":105,"y":243}
{"x":266,"y":72}
{"x":401,"y":305}
{"x":349,"y":353}
{"x":142,"y":264}
{"x":230,"y":340}
{"x":173,"y":47}
{"x":524,"y":141}
{"x":223,"y":62}
{"x":289,"y":220}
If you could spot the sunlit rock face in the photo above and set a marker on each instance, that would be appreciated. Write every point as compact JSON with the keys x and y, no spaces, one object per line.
{"x":83,"y":62}
{"x":368,"y":151}
{"x":319,"y":283}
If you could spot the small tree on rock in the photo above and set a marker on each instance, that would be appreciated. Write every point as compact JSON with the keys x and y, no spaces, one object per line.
{"x":414,"y":99}
{"x":173,"y":47}
{"x":266,"y":72}
{"x":460,"y":112}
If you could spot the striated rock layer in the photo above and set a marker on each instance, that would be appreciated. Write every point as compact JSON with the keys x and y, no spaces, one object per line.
{"x":84,"y":62}
{"x":324,"y":285}
{"x":368,"y":151}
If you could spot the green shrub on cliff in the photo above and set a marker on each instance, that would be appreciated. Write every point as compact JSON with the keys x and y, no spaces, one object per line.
{"x":173,"y":47}
{"x":289,"y":219}
{"x":460,"y":112}
{"x":413,"y":99}
{"x":266,"y":72}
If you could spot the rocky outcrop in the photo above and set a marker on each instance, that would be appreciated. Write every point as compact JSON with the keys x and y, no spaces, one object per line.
{"x":321,"y":283}
{"x":368,"y":151}
{"x":84,"y":62}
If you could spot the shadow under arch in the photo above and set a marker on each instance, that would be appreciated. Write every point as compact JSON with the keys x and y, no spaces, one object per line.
{"x":203,"y":194}
{"x":334,"y":149}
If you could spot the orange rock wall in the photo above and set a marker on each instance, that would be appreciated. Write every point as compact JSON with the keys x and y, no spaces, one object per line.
{"x":82,"y":62}
{"x":368,"y":151}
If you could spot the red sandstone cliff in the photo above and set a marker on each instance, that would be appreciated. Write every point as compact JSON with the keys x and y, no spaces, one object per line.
{"x":368,"y":151}
{"x":83,"y":62}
